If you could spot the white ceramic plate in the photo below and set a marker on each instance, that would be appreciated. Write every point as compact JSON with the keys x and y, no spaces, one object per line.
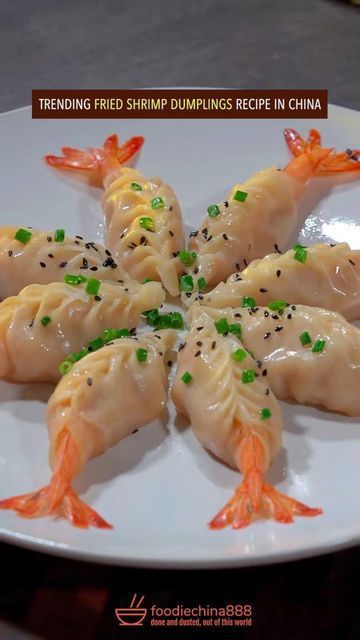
{"x":159,"y":487}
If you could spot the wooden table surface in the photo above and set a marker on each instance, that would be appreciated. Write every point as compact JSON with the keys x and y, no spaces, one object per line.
{"x":232,"y":43}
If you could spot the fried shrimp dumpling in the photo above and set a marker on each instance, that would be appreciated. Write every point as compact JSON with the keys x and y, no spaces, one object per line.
{"x":309,"y":354}
{"x":44,"y":323}
{"x":329,"y":278}
{"x":235,"y":415}
{"x":103,"y":398}
{"x":39,"y":258}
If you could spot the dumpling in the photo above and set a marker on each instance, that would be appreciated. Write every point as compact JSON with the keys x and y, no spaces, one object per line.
{"x":41,"y":326}
{"x":260,"y":215}
{"x":235,"y":415}
{"x":28,"y":256}
{"x":307,"y":354}
{"x":325,"y":276}
{"x":104,"y":397}
{"x":143,"y":217}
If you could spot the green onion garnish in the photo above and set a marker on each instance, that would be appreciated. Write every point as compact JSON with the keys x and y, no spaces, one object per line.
{"x":222,"y":325}
{"x":23,"y":236}
{"x":65,"y":366}
{"x":239,"y":355}
{"x":188,"y":258}
{"x":45,"y":320}
{"x":147,"y":280}
{"x":201,"y":284}
{"x":248,"y":302}
{"x":136,"y":186}
{"x":92,"y":286}
{"x":187,"y":377}
{"x":235,"y":328}
{"x":318,"y":346}
{"x":248,"y":376}
{"x":305,"y":338}
{"x":240,"y":196}
{"x":109,"y":335}
{"x":74,"y":280}
{"x":300,"y":253}
{"x":96,"y":344}
{"x":265,"y":413}
{"x":59,"y":235}
{"x":277,"y":305}
{"x":141,"y":355}
{"x":176,"y":320}
{"x":80,"y":354}
{"x":157,"y":203}
{"x":147,"y":224}
{"x":122,"y":333}
{"x":186,"y":283}
{"x":152,"y":317}
{"x":158,"y":320}
{"x":213,"y":210}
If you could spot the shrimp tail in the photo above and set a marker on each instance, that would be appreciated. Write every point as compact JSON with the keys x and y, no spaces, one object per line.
{"x":94,"y":163}
{"x":311,"y":159}
{"x":58,"y":498}
{"x":253,"y":496}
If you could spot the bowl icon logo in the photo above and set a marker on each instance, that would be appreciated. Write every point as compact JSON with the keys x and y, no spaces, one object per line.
{"x":133,"y":615}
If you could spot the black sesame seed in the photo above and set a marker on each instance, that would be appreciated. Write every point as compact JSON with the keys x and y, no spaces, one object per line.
{"x":98,"y":298}
{"x":108,"y":253}
{"x":259,"y":363}
{"x":352,"y":262}
{"x":89,"y":381}
{"x":237,"y":315}
{"x":278,"y":273}
{"x":193,"y":234}
{"x":169,"y":363}
{"x":79,"y":237}
{"x":213,"y":345}
{"x":199,"y":343}
{"x":263,"y":290}
{"x":293,"y":307}
{"x":43,"y":265}
{"x":85,"y":263}
{"x":289,"y":316}
{"x":199,"y":328}
{"x":209,"y":238}
{"x":276,"y":247}
{"x":181,"y":346}
{"x":264,"y":373}
{"x":224,"y":235}
{"x":161,"y":353}
{"x":332,"y":244}
{"x":245,"y":263}
{"x":237,"y":265}
{"x":188,"y":294}
{"x":274,"y":316}
{"x":197,"y":354}
{"x":267,"y":391}
{"x":266,"y":314}
{"x":49,"y":239}
{"x":267,"y":335}
{"x":31,"y":323}
{"x":204,"y":231}
{"x":170,"y":208}
{"x":171,"y":233}
{"x":200,"y":297}
{"x":50,"y":255}
{"x":159,"y":337}
{"x":77,"y":242}
{"x":93,"y":268}
{"x":63,"y":264}
{"x":226,"y":203}
{"x":10,"y":253}
{"x":277,"y":329}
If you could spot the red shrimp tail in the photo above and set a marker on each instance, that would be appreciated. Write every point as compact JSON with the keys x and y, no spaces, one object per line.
{"x":58,"y":498}
{"x":93,"y":163}
{"x":253,"y":497}
{"x":320,"y":160}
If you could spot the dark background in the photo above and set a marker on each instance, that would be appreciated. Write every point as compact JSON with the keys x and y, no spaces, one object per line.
{"x":231,"y":43}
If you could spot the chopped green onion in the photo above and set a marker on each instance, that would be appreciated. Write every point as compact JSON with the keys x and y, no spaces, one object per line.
{"x":152,"y":317}
{"x":74,"y":280}
{"x":176,"y":320}
{"x":265,"y":413}
{"x":201,"y":284}
{"x":213,"y":210}
{"x":122,"y":333}
{"x":45,"y":320}
{"x":248,"y":375}
{"x":147,"y":224}
{"x":65,"y":366}
{"x":240,"y":196}
{"x":299,"y":246}
{"x":109,"y":335}
{"x":318,"y":346}
{"x":136,"y":186}
{"x":23,"y":236}
{"x":141,"y":355}
{"x":305,"y":338}
{"x":187,"y":377}
{"x":277,"y":305}
{"x":147,"y":280}
{"x":222,"y":325}
{"x":239,"y":355}
{"x":80,"y":354}
{"x":96,"y":344}
{"x":92,"y":286}
{"x":188,"y":258}
{"x":300,"y":253}
{"x":157,"y":203}
{"x":248,"y":302}
{"x":59,"y":235}
{"x":235,"y":328}
{"x":186,"y":283}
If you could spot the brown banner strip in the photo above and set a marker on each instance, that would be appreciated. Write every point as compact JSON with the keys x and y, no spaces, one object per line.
{"x":180,"y":103}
